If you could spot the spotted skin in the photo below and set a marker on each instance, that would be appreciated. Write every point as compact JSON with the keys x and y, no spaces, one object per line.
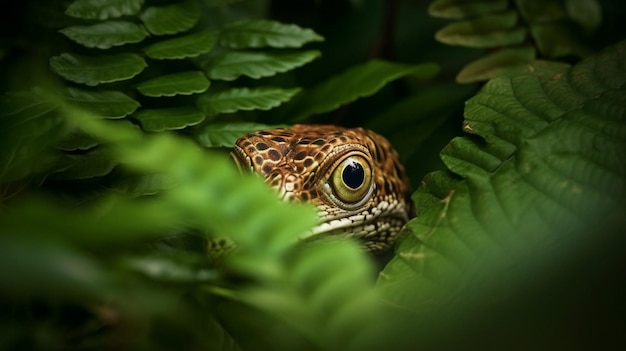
{"x":321,"y":164}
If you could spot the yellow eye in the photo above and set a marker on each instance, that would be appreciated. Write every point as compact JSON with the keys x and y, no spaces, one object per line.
{"x":351,"y":181}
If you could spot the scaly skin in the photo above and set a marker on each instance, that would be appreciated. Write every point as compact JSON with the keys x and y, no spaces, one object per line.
{"x":352,"y":176}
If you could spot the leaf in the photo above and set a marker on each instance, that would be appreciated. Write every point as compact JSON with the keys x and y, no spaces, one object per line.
{"x":484,"y":32}
{"x":232,"y":65}
{"x":556,"y":40}
{"x":30,"y":126}
{"x":183,"y":83}
{"x":96,"y":70}
{"x":588,"y":14}
{"x":106,"y":35}
{"x":171,"y":19}
{"x":547,"y":170}
{"x":358,"y":81}
{"x":225,"y":134}
{"x":235,"y":99}
{"x":103,"y":9}
{"x":77,"y":141}
{"x":190,"y":45}
{"x":495,"y":64}
{"x":110,"y":104}
{"x":158,"y":120}
{"x":454,"y":9}
{"x":94,"y":163}
{"x":264,"y":33}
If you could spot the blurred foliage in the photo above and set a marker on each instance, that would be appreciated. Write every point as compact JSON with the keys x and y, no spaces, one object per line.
{"x":118,"y":195}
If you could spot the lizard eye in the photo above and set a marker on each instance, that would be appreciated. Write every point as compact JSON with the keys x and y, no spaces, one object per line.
{"x":350,"y":182}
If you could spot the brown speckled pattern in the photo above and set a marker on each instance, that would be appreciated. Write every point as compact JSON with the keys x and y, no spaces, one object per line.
{"x":299,"y":161}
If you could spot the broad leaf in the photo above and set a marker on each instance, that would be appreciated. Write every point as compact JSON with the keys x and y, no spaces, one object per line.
{"x":103,"y":9}
{"x":107,"y":34}
{"x":234,"y":64}
{"x":235,"y":99}
{"x":495,"y":64}
{"x":484,"y":32}
{"x":184,"y":83}
{"x":110,"y":104}
{"x":546,"y":175}
{"x":96,"y":70}
{"x":455,"y":9}
{"x":158,"y":120}
{"x":182,"y":47}
{"x":171,"y":19}
{"x":264,"y":33}
{"x":356,"y":82}
{"x":225,"y":134}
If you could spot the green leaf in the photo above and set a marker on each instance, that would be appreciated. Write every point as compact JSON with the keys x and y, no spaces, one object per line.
{"x":356,"y":82}
{"x":557,"y":40}
{"x":484,"y":32}
{"x":183,"y":83}
{"x":171,"y":19}
{"x":235,"y":99}
{"x":94,"y":163}
{"x":454,"y":9}
{"x":182,"y":47}
{"x":158,"y":120}
{"x":77,"y":141}
{"x":232,"y":65}
{"x":496,"y":64}
{"x":106,"y":35}
{"x":96,"y":70}
{"x":103,"y":9}
{"x":225,"y":134}
{"x":545,"y":168}
{"x":110,"y":104}
{"x":30,"y":126}
{"x":264,"y":33}
{"x":587,"y":13}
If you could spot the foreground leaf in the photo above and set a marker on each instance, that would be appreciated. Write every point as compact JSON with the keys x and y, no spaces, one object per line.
{"x":183,"y":83}
{"x":158,"y":120}
{"x":356,"y":82}
{"x":549,"y":169}
{"x":107,"y":34}
{"x":97,"y":70}
{"x":103,"y":9}
{"x":182,"y":47}
{"x":236,"y":99}
{"x":264,"y":33}
{"x":454,"y":9}
{"x":232,"y":65}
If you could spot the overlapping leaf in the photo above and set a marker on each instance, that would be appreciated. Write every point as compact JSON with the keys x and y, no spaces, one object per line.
{"x":190,"y":45}
{"x":246,"y":99}
{"x":110,"y":104}
{"x":106,"y":34}
{"x":232,"y":65}
{"x":264,"y":33}
{"x":183,"y":83}
{"x":103,"y":9}
{"x":549,"y":166}
{"x":171,"y":19}
{"x":98,"y":69}
{"x":158,"y":120}
{"x":225,"y":134}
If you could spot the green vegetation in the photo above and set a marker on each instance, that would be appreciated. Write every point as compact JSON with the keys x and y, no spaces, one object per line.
{"x":116,"y":118}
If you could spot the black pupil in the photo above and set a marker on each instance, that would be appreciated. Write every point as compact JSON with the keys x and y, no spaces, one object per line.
{"x":353,"y":175}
